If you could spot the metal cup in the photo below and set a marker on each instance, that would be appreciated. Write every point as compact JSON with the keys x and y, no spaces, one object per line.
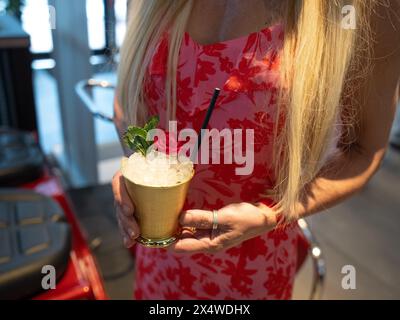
{"x":157,"y":210}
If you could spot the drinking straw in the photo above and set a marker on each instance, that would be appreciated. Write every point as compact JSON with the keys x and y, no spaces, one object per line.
{"x":210,"y":110}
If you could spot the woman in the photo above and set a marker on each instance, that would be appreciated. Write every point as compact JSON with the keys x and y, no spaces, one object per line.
{"x":317,"y":83}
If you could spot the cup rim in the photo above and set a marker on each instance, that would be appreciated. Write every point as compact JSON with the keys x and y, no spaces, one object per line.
{"x":159,"y":187}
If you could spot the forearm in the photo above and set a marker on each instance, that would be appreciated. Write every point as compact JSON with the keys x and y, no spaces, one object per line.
{"x":376,"y":99}
{"x":347,"y":175}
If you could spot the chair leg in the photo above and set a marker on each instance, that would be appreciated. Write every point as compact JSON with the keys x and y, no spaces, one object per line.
{"x":318,"y":261}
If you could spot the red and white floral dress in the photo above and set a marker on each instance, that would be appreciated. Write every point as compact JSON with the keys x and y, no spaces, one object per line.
{"x":246,"y":69}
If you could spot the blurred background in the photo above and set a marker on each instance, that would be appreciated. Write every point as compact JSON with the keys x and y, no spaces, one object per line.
{"x":47,"y":48}
{"x":80,"y":40}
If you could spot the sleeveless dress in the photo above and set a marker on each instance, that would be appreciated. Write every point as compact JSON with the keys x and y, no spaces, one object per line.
{"x":246,"y":69}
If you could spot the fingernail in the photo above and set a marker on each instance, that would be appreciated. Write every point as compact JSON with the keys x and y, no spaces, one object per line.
{"x":126,"y":210}
{"x":131,"y":233}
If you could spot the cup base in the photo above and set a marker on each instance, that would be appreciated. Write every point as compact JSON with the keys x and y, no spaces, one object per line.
{"x":159,"y":243}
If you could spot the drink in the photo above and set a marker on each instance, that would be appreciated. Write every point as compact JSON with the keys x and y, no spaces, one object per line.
{"x":157,"y":185}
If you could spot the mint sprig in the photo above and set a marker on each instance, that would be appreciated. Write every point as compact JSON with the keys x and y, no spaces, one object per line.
{"x":135,"y":137}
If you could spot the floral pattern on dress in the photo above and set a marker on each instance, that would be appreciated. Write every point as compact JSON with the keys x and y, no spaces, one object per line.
{"x":247,"y":71}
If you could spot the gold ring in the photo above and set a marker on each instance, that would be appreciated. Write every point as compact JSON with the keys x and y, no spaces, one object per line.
{"x":193,"y":229}
{"x":215,"y":224}
{"x":215,"y":220}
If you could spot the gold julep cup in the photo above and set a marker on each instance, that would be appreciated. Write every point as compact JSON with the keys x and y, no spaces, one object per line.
{"x":157,"y":210}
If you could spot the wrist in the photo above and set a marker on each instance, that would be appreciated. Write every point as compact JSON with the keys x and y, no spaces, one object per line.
{"x":271,"y":217}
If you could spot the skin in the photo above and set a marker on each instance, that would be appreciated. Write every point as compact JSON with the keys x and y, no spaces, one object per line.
{"x":348,"y":174}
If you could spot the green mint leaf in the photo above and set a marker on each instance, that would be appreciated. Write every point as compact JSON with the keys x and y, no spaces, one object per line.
{"x":135,"y":137}
{"x":152,"y":123}
{"x":136,"y":131}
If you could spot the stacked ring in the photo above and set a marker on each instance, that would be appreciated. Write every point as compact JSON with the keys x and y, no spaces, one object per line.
{"x":215,"y":223}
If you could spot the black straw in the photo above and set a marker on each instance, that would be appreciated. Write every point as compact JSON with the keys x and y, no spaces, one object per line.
{"x":210,"y":110}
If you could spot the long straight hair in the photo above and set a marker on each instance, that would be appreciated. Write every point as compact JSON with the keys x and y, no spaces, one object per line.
{"x":319,"y":60}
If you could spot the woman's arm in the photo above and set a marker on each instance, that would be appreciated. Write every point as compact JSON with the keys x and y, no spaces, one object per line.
{"x":351,"y":170}
{"x":348,"y":173}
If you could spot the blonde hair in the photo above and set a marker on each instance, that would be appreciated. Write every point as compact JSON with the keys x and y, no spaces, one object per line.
{"x":147,"y":21}
{"x":318,"y":61}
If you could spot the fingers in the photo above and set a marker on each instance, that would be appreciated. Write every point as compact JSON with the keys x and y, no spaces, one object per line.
{"x":189,"y":242}
{"x":199,"y":219}
{"x":128,"y":226}
{"x":121,"y":195}
{"x":129,"y":229}
{"x":196,"y":242}
{"x":128,"y":243}
{"x":124,"y":234}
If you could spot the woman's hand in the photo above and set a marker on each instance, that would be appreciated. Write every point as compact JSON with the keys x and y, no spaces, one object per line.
{"x":125,"y":211}
{"x":236,"y":223}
